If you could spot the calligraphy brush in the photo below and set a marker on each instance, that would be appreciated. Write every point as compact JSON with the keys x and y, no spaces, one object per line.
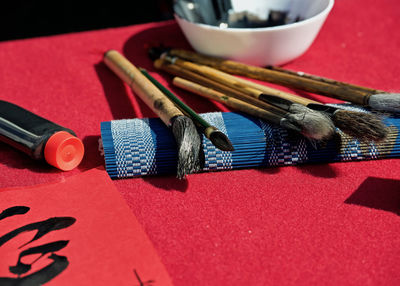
{"x":361,"y":125}
{"x":374,"y":99}
{"x":235,"y":103}
{"x":314,"y":124}
{"x":244,"y":102}
{"x":323,"y":79}
{"x":187,"y":74}
{"x":218,"y":138}
{"x":185,"y":133}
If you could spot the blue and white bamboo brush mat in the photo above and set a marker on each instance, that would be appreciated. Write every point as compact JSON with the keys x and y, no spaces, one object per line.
{"x":140,"y":147}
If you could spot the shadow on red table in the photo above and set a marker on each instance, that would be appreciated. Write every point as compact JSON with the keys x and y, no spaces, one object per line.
{"x":136,"y":51}
{"x":167,"y":183}
{"x":378,"y":193}
{"x":270,"y":170}
{"x":136,"y":47}
{"x":18,"y":160}
{"x":323,"y":170}
{"x":92,"y":157}
{"x":122,"y":104}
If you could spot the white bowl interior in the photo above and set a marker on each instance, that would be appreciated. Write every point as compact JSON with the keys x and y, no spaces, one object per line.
{"x":304,"y":9}
{"x":202,"y":11}
{"x":261,"y":46}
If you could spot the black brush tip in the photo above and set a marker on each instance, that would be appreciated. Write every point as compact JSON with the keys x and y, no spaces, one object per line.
{"x":156,"y":52}
{"x":276,"y":101}
{"x":221,"y":141}
{"x":361,"y":125}
{"x":189,"y":145}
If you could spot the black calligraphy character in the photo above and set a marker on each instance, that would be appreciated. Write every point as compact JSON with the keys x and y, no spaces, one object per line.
{"x":42,"y":227}
{"x":18,"y":210}
{"x":59,"y":263}
{"x":141,"y":283}
{"x":44,"y":249}
{"x":40,"y":277}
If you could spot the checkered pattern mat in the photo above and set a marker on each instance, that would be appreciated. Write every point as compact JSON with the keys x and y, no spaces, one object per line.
{"x":139,"y":147}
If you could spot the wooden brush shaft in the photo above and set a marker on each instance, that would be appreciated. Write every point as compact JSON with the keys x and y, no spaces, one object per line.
{"x":232,"y":67}
{"x":276,"y":92}
{"x":256,"y":89}
{"x":218,"y":76}
{"x":227,"y":100}
{"x":183,"y":72}
{"x":146,"y":90}
{"x":326,"y":80}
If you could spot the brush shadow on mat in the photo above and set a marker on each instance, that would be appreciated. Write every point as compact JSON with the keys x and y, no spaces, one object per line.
{"x":377,"y":193}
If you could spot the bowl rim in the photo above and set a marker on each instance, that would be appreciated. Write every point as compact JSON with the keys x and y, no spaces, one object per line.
{"x":323,"y":13}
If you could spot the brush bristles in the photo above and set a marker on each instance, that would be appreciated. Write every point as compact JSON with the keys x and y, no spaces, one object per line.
{"x":189,"y":143}
{"x":314,"y":125}
{"x":385,"y":102}
{"x":360,"y":125}
{"x":285,"y":123}
{"x":221,"y":141}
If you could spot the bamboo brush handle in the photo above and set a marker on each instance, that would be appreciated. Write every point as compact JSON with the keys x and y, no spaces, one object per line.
{"x":272,"y":91}
{"x":324,"y":79}
{"x":227,"y":100}
{"x":149,"y":93}
{"x":204,"y":81}
{"x":195,"y":77}
{"x":232,"y":67}
{"x":241,"y":85}
{"x":258,"y":89}
{"x":218,"y":76}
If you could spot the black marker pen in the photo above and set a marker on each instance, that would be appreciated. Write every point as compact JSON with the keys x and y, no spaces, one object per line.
{"x":39,"y":137}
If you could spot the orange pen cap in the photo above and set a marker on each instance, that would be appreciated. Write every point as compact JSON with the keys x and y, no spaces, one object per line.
{"x":64,"y":151}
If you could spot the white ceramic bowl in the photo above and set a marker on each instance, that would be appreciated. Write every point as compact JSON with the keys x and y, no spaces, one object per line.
{"x":261,"y":46}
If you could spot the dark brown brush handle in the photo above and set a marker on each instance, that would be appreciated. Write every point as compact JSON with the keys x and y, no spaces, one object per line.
{"x":143,"y":87}
{"x":232,"y":67}
{"x":324,"y":79}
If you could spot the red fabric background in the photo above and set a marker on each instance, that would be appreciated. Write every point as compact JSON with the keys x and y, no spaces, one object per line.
{"x":328,"y":224}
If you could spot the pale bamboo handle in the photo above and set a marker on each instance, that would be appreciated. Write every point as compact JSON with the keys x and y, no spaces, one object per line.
{"x":205,"y":81}
{"x":257,"y":89}
{"x":146,"y":90}
{"x":218,"y":76}
{"x":190,"y":74}
{"x":227,"y":100}
{"x":233,"y":67}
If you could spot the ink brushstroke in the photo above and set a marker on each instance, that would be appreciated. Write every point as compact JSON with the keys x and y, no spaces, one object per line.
{"x":59,"y":263}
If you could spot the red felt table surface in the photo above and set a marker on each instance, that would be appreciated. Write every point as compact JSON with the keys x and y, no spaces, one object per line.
{"x":327,"y":224}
